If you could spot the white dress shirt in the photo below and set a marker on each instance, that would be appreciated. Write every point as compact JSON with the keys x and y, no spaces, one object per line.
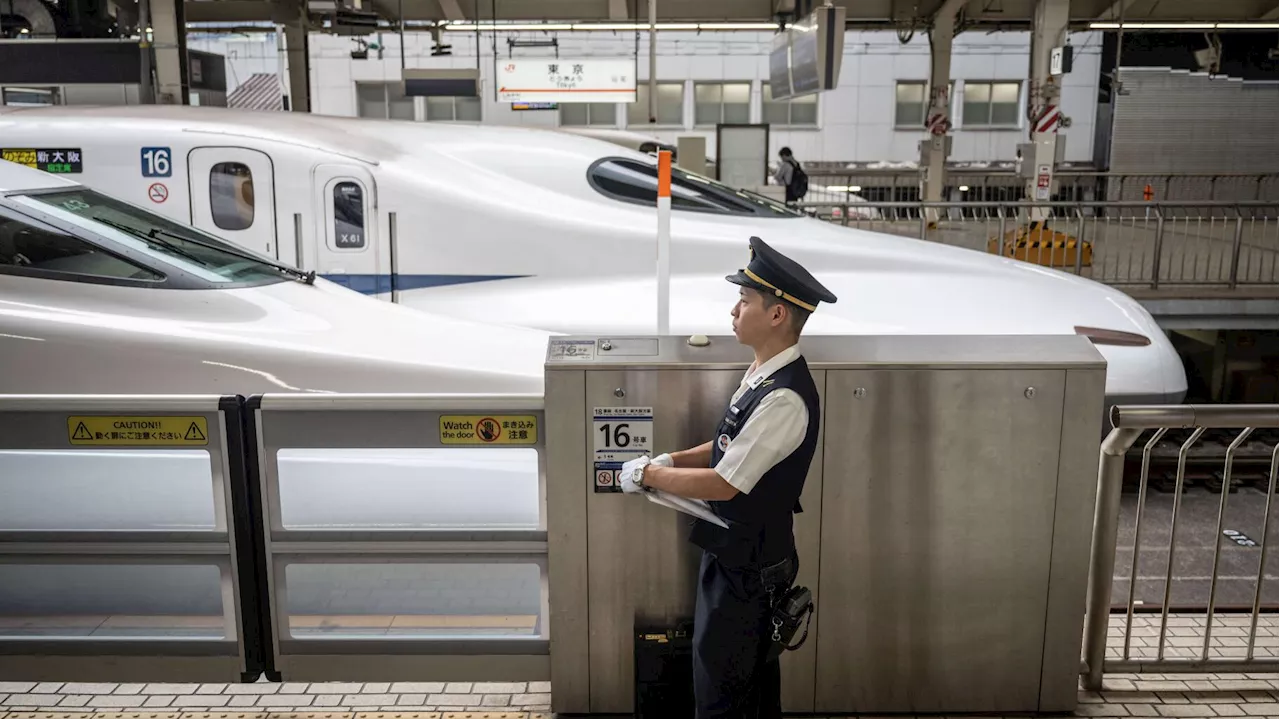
{"x":774,"y":430}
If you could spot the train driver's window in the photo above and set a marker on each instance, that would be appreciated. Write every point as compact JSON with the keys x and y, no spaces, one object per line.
{"x":26,"y":246}
{"x":348,"y":216}
{"x":231,"y":195}
{"x":630,"y":181}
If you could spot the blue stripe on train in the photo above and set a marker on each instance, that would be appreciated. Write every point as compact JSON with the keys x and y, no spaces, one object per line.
{"x":381,"y":284}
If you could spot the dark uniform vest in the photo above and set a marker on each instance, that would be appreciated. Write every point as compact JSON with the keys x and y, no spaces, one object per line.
{"x":760,"y":529}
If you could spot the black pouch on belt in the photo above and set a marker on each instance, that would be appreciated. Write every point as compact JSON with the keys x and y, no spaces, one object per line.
{"x":789,"y":610}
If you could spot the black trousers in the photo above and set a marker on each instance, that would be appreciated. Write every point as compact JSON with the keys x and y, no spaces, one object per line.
{"x":731,"y":635}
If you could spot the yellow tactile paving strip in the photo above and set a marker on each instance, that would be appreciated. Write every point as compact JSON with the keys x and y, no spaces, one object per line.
{"x":277,"y":715}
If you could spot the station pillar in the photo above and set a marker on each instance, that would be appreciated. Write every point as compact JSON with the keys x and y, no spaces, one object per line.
{"x":298,"y":61}
{"x":1044,"y":110}
{"x":167,"y":21}
{"x":936,"y":145}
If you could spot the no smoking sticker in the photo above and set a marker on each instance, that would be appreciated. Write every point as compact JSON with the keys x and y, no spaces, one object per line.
{"x":158,"y":192}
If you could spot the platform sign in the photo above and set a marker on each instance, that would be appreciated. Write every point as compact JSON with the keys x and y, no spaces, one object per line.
{"x":117,"y":431}
{"x":496,"y":429}
{"x":620,"y":434}
{"x":157,"y":162}
{"x":555,"y":80}
{"x":59,"y":161}
{"x":1044,"y":174}
{"x":572,"y":350}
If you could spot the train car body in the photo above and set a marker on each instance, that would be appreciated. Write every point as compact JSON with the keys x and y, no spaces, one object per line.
{"x":552,"y":231}
{"x":88,"y":307}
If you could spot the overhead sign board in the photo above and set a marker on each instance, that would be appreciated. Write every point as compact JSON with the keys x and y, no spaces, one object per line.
{"x":1060,"y":60}
{"x":556,"y":80}
{"x":807,"y":57}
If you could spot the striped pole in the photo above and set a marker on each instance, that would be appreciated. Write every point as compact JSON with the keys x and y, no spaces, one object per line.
{"x":664,"y":242}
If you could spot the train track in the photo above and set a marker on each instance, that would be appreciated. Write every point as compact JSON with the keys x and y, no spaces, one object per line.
{"x":1205,"y":464}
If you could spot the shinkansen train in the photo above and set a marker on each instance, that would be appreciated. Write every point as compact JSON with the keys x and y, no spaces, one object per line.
{"x":99,"y":296}
{"x":542,"y":230}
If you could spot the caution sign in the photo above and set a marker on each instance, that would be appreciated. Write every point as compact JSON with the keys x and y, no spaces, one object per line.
{"x":138,"y":431}
{"x":488,"y":429}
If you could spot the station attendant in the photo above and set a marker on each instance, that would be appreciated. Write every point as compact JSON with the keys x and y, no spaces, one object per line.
{"x":751,"y":475}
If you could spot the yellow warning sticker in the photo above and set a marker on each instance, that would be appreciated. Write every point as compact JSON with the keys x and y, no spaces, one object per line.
{"x":139,"y":431}
{"x":488,"y":429}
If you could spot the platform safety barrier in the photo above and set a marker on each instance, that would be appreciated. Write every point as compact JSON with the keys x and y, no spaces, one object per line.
{"x":450,"y":584}
{"x":214,"y":538}
{"x":125,"y":546}
{"x":1130,"y":423}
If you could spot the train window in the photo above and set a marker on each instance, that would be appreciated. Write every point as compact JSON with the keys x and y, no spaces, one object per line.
{"x":192,"y":251}
{"x":348,"y":216}
{"x":26,"y":246}
{"x":231,"y":195}
{"x":637,"y":182}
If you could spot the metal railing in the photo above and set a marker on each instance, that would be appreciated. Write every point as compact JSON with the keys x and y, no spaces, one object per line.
{"x":987,"y":185}
{"x":1126,"y":243}
{"x":1129,"y":424}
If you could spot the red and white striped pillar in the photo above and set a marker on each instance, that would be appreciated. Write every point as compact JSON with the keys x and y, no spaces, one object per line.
{"x":937,"y":116}
{"x":1044,"y":110}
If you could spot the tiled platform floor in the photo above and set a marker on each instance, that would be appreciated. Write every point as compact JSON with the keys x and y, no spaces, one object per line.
{"x":1184,"y":636}
{"x":1124,"y":695}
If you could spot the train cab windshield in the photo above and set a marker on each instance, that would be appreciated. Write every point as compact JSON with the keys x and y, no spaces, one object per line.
{"x":628,"y":180}
{"x":190,"y":250}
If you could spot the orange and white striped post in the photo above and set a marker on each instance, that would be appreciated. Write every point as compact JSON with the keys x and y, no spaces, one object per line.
{"x":664,"y":242}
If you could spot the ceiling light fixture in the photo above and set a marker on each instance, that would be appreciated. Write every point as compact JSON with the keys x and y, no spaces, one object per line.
{"x":1185,"y":25}
{"x":607,"y":26}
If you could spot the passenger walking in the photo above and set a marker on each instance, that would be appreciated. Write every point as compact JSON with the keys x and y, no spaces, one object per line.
{"x":791,"y":176}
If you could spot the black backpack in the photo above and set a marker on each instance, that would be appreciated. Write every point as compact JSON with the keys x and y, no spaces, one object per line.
{"x":799,"y":180}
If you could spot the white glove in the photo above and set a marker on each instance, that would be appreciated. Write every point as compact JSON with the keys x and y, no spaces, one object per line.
{"x":630,"y":470}
{"x":664,"y":460}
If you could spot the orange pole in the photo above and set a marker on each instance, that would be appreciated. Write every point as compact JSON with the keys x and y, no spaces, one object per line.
{"x":664,"y":242}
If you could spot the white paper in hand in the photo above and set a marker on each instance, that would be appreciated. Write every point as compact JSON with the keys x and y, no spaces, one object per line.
{"x":694,"y":507}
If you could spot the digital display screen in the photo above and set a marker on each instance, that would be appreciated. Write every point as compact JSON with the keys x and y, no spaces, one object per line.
{"x":57,"y":160}
{"x":805,"y":73}
{"x":780,"y":66}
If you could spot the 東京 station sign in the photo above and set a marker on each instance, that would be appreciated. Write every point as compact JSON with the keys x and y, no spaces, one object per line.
{"x":556,"y":80}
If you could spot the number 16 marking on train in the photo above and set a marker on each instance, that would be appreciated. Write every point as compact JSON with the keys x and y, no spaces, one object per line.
{"x":155,"y":162}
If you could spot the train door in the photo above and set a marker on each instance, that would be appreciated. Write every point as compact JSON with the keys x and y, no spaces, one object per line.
{"x":233,"y":196}
{"x":347,"y":240}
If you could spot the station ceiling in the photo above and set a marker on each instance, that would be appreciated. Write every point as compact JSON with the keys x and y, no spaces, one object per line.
{"x":862,"y":14}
